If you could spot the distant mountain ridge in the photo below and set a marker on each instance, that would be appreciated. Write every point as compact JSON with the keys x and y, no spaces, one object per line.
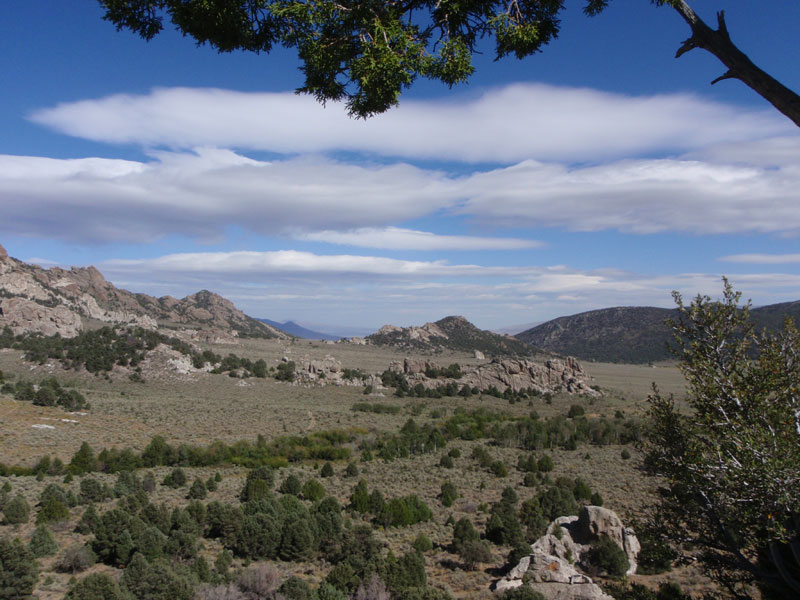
{"x":451,"y":333}
{"x":630,"y":334}
{"x":50,"y":301}
{"x":297,"y":330}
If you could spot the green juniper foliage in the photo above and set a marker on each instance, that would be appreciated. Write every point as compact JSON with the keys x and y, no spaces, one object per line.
{"x":367,"y":53}
{"x":18,"y":570}
{"x":43,"y":542}
{"x":16,"y":511}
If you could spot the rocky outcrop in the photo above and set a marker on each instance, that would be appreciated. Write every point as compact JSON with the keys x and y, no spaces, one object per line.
{"x":518,"y":374}
{"x":552,"y":566}
{"x":328,"y":371}
{"x":413,"y":366}
{"x":166,"y":364}
{"x":207,"y":336}
{"x":451,"y":333}
{"x":596,"y":521}
{"x":86,"y":295}
{"x":427,"y":334}
{"x":27,"y":316}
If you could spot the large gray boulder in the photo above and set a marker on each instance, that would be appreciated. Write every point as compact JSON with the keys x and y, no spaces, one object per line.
{"x":596,"y":521}
{"x":551,"y":568}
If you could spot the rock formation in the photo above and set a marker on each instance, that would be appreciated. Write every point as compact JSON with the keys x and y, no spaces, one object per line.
{"x":328,"y":371}
{"x":26,"y":316}
{"x":552,"y":375}
{"x":551,"y":567}
{"x":518,"y":374}
{"x":450,"y":333}
{"x":56,"y":300}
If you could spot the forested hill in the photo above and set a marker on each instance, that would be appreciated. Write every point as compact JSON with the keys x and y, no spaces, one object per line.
{"x":451,"y":333}
{"x":629,"y":334}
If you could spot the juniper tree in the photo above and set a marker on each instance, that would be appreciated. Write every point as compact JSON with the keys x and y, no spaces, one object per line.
{"x":43,"y":542}
{"x":18,"y":570}
{"x":96,"y":586}
{"x":367,"y":53}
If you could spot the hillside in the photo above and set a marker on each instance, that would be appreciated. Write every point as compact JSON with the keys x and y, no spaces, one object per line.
{"x":629,"y":334}
{"x":50,"y":301}
{"x":450,"y":333}
{"x":296,"y":330}
{"x":772,"y":316}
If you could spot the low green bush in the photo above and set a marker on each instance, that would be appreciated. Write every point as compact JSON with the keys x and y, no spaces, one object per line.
{"x":605,"y":555}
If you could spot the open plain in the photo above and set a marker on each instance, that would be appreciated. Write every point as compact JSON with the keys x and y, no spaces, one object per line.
{"x":199,"y":408}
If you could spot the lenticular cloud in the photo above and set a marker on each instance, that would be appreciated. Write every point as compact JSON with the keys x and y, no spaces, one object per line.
{"x":506,"y":125}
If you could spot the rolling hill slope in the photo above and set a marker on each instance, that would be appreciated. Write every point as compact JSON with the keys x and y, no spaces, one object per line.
{"x":630,"y":334}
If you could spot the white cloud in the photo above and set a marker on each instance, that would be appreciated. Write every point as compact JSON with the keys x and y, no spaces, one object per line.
{"x":508,"y":124}
{"x":199,"y":194}
{"x":768,"y":152}
{"x":638,"y":196}
{"x":530,"y":280}
{"x":202,"y":193}
{"x":396,"y":238}
{"x":372,"y":290}
{"x":763,"y":259}
{"x":240,"y":264}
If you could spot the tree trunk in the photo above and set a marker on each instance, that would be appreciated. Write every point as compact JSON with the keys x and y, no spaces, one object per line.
{"x":718,"y":43}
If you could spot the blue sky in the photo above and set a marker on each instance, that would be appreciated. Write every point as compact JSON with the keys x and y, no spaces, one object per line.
{"x":601,"y":172}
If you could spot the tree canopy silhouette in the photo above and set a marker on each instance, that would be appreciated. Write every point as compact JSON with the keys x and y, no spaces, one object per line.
{"x":367,"y":52}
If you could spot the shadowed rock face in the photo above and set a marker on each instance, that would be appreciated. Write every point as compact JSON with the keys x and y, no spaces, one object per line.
{"x":56,"y":300}
{"x":551,"y":570}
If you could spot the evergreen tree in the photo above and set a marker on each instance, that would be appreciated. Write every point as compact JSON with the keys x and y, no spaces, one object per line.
{"x":254,"y":491}
{"x":291,"y":485}
{"x":198,"y":490}
{"x":97,"y":586}
{"x":83,"y":461}
{"x":258,"y":537}
{"x":43,"y":542}
{"x":449,"y":494}
{"x":176,"y":478}
{"x":463,"y":532}
{"x":359,"y":499}
{"x":313,"y":490}
{"x":18,"y":570}
{"x":295,"y":588}
{"x":91,"y":490}
{"x":88,"y":521}
{"x":16,"y":510}
{"x":297,"y":541}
